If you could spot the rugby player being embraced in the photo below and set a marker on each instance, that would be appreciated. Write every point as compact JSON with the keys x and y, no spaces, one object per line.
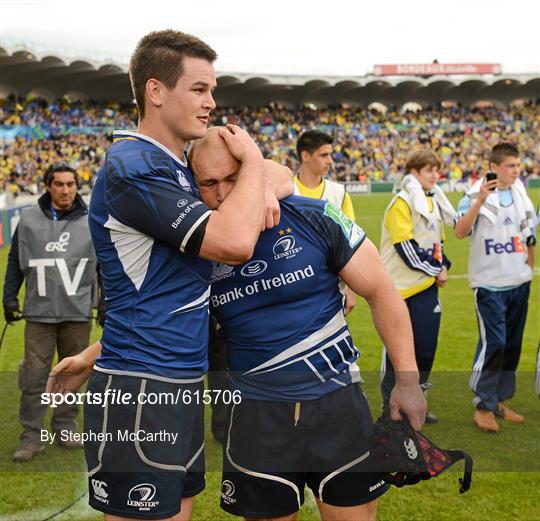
{"x":303,"y":419}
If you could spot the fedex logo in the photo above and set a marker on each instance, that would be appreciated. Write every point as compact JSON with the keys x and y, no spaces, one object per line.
{"x":435,"y":252}
{"x":515,"y":245}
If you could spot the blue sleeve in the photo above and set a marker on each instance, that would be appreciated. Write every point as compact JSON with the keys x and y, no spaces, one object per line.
{"x":417,"y":259}
{"x":464,"y":205}
{"x":341,"y":236}
{"x":154,"y":203}
{"x":446,"y":261}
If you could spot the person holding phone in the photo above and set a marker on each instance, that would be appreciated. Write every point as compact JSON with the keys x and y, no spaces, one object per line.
{"x":498,"y":216}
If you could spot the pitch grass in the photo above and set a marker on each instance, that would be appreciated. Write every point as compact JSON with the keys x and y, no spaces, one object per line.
{"x":505,"y":485}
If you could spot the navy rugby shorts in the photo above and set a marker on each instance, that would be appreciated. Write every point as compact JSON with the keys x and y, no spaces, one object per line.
{"x":143,"y":457}
{"x":274,"y":449}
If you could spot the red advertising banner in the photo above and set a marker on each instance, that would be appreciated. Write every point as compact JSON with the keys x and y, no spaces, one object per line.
{"x":429,"y":69}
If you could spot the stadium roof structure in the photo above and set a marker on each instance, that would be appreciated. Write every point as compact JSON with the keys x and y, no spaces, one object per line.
{"x":24,"y":72}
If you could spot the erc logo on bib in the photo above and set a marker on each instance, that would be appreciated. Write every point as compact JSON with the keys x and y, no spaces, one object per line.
{"x":351,"y":230}
{"x":60,"y":245}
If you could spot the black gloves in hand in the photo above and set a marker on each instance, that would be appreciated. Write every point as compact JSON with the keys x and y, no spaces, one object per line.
{"x":12,"y":313}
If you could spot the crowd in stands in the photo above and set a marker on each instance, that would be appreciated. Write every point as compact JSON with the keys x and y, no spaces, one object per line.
{"x":371,"y":145}
{"x":24,"y":160}
{"x":368,"y":145}
{"x":66,"y":113}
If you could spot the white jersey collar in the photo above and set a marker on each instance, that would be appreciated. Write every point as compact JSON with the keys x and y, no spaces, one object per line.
{"x":138,"y":135}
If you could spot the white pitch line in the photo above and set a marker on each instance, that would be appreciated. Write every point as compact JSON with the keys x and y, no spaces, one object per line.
{"x":80,"y":511}
{"x":464,"y":275}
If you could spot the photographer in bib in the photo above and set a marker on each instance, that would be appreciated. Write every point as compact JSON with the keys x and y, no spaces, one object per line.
{"x":52,"y":251}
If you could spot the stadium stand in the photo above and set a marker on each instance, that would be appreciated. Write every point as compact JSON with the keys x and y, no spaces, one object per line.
{"x":51,"y":75}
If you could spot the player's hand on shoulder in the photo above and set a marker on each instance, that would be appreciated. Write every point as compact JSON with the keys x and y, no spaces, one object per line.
{"x":272,"y":211}
{"x":240,"y":144}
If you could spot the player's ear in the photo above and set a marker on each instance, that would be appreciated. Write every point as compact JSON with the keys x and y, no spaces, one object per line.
{"x":154,"y":92}
{"x":304,"y":156}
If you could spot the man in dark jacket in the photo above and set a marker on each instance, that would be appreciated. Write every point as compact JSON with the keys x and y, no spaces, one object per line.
{"x":51,"y":250}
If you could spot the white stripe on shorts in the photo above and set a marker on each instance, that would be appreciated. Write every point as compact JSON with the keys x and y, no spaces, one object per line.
{"x":103,"y":430}
{"x":138,"y":448}
{"x":339,"y":471}
{"x":258,"y":474}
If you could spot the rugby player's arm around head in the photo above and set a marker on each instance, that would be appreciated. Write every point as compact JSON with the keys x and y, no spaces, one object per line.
{"x":233,"y":228}
{"x":366,"y":276}
{"x":234,"y":192}
{"x":278,"y":179}
{"x":278,"y":184}
{"x":176,"y":115}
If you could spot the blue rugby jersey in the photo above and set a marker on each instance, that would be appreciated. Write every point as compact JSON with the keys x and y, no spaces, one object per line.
{"x":147,"y":224}
{"x":282,"y":312}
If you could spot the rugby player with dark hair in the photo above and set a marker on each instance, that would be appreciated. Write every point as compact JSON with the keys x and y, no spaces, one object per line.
{"x":154,"y":239}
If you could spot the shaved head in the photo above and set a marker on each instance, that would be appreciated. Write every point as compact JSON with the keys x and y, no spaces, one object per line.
{"x":214,"y":167}
{"x":209,"y":151}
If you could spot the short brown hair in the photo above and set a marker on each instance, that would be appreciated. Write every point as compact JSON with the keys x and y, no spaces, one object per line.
{"x":421,"y":158}
{"x":310,"y":141}
{"x":160,"y":55}
{"x":502,"y":150}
